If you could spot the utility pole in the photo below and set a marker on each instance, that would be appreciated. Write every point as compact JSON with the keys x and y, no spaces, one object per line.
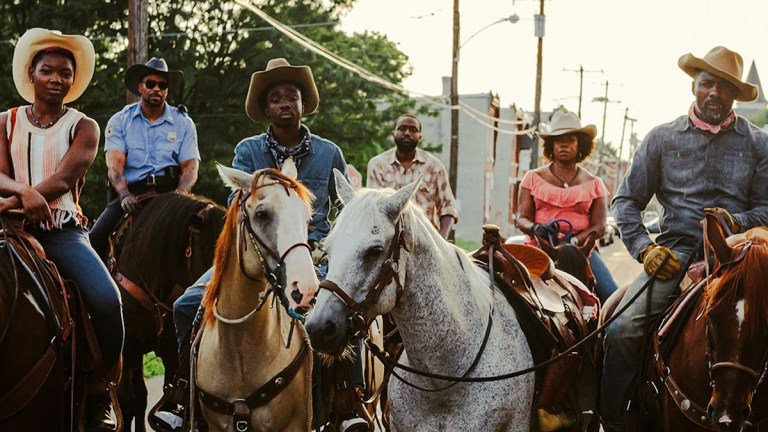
{"x":604,"y":100}
{"x":581,"y":71}
{"x":454,"y":162}
{"x":540,"y":21}
{"x":619,"y":173}
{"x":137,"y":38}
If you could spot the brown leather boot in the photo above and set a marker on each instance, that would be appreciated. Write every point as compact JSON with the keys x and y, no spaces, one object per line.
{"x":98,"y":416}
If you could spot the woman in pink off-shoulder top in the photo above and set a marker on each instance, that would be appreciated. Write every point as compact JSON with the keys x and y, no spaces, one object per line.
{"x":563,"y":190}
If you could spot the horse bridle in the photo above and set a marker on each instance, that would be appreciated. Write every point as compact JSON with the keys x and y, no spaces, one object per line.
{"x":389,"y":272}
{"x":274,"y":275}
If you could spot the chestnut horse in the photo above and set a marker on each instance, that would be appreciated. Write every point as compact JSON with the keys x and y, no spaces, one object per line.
{"x":170,"y":243}
{"x":573,"y":259}
{"x":719,"y":361}
{"x":35,"y":333}
{"x":254,"y":365}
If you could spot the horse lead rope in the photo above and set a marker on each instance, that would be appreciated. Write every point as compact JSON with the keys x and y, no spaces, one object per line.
{"x":384,"y":358}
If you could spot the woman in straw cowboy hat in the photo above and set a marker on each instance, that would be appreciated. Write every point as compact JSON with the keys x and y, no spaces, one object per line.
{"x":45,"y":152}
{"x":563,"y":190}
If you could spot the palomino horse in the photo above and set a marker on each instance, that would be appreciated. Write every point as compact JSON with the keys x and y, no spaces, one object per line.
{"x":35,"y":330}
{"x":254,"y":366}
{"x":713,"y":377}
{"x":170,"y":243}
{"x":387,"y":258}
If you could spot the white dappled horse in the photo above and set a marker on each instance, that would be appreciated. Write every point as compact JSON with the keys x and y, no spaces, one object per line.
{"x":441,"y":302}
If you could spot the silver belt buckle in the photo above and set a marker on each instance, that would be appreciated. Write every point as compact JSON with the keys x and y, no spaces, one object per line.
{"x":151,"y":180}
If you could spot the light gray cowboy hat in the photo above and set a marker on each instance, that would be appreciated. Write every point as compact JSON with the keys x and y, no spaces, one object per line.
{"x":158,"y":66}
{"x":723,"y":63}
{"x":565,"y":122}
{"x":38,"y":39}
{"x":279,"y":70}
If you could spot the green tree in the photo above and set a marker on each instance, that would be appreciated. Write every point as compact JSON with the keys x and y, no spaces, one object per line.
{"x":218,"y":46}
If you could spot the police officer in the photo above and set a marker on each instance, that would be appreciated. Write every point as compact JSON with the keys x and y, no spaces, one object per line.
{"x":150,"y":146}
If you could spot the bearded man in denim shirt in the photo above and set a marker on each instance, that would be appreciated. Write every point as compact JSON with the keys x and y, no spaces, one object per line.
{"x":707,"y":159}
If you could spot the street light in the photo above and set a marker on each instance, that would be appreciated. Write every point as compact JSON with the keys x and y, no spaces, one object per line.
{"x":453,"y":166}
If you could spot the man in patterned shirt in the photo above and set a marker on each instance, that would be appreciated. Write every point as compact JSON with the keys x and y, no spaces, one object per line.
{"x":405,"y":163}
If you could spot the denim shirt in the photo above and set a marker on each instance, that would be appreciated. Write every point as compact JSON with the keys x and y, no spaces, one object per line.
{"x":688,"y":171}
{"x":315,"y":172}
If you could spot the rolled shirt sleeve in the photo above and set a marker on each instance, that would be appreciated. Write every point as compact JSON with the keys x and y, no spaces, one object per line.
{"x":445,"y":202}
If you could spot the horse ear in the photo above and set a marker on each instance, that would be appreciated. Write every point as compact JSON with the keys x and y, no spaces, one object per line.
{"x":344,"y":190}
{"x":289,"y":168}
{"x":547,"y":247}
{"x":589,"y":244}
{"x":394,"y":204}
{"x":234,"y":178}
{"x":716,"y":238}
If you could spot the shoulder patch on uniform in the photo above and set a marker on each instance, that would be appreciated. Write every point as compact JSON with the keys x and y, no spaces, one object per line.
{"x":109,"y":131}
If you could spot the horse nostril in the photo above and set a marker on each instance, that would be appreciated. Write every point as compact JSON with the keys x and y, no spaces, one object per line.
{"x":329,"y":328}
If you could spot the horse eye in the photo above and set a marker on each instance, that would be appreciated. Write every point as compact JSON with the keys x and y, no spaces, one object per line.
{"x":261,"y":215}
{"x":374,"y":252}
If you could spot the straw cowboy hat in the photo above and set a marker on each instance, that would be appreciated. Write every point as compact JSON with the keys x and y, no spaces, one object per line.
{"x":155,"y":66}
{"x":723,"y":63}
{"x":279,"y":70}
{"x":565,"y":122}
{"x":38,"y":39}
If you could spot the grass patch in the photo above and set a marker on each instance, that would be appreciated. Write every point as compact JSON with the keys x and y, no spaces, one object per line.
{"x":153,"y":365}
{"x":467,"y":245}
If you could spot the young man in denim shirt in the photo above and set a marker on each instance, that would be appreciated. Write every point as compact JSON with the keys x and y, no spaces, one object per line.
{"x":281,"y":94}
{"x":709,"y":158}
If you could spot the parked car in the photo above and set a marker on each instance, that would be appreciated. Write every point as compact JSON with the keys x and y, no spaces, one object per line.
{"x":653,"y":226}
{"x":610,"y":230}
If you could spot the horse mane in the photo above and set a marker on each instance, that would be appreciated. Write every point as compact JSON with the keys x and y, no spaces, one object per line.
{"x":262,"y":178}
{"x":160,"y":233}
{"x":745,"y":279}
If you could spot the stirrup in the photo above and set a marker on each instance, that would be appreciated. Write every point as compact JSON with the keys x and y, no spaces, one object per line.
{"x":168,"y":420}
{"x":355,"y":424}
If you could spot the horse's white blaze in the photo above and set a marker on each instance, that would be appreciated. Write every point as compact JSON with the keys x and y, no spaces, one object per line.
{"x":740,"y":312}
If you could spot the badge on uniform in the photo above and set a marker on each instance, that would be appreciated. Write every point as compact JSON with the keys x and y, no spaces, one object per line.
{"x":110,"y":130}
{"x":172,"y":136}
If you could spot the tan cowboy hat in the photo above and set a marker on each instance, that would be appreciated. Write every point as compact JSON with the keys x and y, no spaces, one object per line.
{"x":135,"y":73}
{"x":565,"y":122}
{"x":279,"y":70}
{"x":37,"y":39}
{"x":723,"y":63}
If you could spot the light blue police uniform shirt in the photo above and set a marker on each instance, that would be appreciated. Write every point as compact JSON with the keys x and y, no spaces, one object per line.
{"x":151,"y":147}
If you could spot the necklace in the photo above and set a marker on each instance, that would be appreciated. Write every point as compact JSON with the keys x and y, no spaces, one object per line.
{"x":46,"y":126}
{"x":565,"y":183}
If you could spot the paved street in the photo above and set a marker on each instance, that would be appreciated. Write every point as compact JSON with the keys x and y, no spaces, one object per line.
{"x":621,"y":265}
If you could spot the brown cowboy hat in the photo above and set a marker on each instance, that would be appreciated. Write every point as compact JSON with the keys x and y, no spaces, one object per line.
{"x":158,"y":66}
{"x":37,"y":39}
{"x":565,"y":122}
{"x":279,"y":70}
{"x":723,"y":63}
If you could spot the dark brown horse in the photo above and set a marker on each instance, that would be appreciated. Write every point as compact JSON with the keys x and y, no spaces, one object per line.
{"x":572,"y":259}
{"x":170,"y":243}
{"x":713,"y":379}
{"x":35,"y":332}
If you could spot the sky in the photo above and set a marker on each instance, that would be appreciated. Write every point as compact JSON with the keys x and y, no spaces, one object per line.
{"x":635,"y":43}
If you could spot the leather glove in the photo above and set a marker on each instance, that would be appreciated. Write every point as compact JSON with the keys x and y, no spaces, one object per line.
{"x":726,"y":217}
{"x":653,"y":255}
{"x":543,"y":231}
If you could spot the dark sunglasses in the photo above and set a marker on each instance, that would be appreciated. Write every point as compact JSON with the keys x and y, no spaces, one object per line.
{"x":150,"y":84}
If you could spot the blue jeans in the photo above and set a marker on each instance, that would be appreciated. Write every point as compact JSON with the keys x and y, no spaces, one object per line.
{"x":604,"y":283}
{"x":623,"y":342}
{"x":71,"y":251}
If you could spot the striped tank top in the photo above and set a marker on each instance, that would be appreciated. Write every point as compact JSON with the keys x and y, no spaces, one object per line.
{"x":36,"y":154}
